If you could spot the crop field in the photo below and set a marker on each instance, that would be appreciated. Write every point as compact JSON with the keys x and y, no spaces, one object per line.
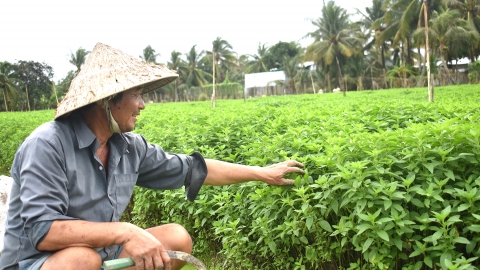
{"x":392,"y":180}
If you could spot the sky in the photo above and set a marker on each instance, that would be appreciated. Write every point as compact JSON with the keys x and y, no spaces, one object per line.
{"x":50,"y":30}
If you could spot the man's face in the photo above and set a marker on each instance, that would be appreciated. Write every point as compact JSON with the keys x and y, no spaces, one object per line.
{"x":126,"y":110}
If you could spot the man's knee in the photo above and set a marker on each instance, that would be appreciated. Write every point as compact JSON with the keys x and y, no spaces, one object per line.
{"x":74,"y":258}
{"x":173,"y":236}
{"x":184,"y":238}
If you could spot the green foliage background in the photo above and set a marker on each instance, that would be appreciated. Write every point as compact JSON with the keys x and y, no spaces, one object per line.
{"x":392,"y":181}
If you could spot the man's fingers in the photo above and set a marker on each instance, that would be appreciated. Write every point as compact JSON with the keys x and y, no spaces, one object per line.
{"x":288,"y":182}
{"x":294,"y":163}
{"x":167,"y":263}
{"x":139,"y":263}
{"x":295,"y":170}
{"x":148,"y":264}
{"x":158,"y":263}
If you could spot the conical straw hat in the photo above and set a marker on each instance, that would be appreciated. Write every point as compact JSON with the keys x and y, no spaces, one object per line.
{"x":108,"y":71}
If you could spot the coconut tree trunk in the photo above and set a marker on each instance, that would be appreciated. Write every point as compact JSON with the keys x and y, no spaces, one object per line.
{"x":383,"y":55}
{"x":176,"y":91}
{"x":340,"y":78}
{"x":213,"y":93}
{"x":5,"y":100}
{"x":419,"y":59}
{"x":385,"y":81}
{"x":329,"y":83}
{"x":313,"y":85}
{"x":55,"y":91}
{"x":445,"y":67}
{"x":28,"y":101}
{"x":427,"y":51}
{"x":244,"y":96}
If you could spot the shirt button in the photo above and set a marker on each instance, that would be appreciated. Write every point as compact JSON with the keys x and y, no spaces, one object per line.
{"x":100,"y":168}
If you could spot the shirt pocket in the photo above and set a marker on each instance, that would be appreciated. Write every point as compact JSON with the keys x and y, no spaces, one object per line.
{"x":125,"y":184}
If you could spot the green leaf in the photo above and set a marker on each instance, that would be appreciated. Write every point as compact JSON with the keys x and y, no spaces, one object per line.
{"x":437,"y":197}
{"x":398,"y":243}
{"x":310,"y":253}
{"x":362,"y":227}
{"x":463,"y":207}
{"x":449,"y":174}
{"x":445,"y":258}
{"x":428,"y":261}
{"x":298,"y":181}
{"x":363,"y":217}
{"x":334,"y":205}
{"x":470,"y":247}
{"x":309,"y":222}
{"x":448,"y":263}
{"x":417,"y":202}
{"x":431,"y":166}
{"x":474,"y":228}
{"x":272,"y":246}
{"x":383,"y":220}
{"x":304,"y":239}
{"x":361,"y":205}
{"x":415,"y":253}
{"x":427,"y":203}
{"x":389,"y":226}
{"x":367,"y":244}
{"x":461,"y":240}
{"x":437,"y":235}
{"x":344,"y":240}
{"x":387,"y":204}
{"x":326,"y":226}
{"x":383,"y":235}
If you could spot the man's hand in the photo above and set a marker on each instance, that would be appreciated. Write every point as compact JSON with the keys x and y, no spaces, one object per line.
{"x":276,"y":173}
{"x":145,"y":250}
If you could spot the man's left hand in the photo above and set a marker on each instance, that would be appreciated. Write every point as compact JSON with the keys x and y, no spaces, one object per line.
{"x":276,"y":173}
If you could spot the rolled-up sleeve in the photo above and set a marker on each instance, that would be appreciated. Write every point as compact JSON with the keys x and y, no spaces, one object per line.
{"x":158,"y":169}
{"x":43,"y":182}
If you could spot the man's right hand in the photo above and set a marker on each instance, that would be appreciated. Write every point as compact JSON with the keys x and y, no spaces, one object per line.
{"x":145,"y":250}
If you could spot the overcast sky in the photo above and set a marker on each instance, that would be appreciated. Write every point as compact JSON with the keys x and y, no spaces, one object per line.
{"x":49,"y":30}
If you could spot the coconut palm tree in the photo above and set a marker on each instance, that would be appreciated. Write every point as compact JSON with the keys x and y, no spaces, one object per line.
{"x":376,"y":49}
{"x":401,"y":19}
{"x":290,"y":67}
{"x":224,"y":58}
{"x":8,"y":84}
{"x":445,"y":30}
{"x":195,"y":75}
{"x":178,"y":64}
{"x":333,"y":39}
{"x":149,"y":55}
{"x":470,"y":10}
{"x":221,"y":54}
{"x":78,"y":59}
{"x":258,"y":63}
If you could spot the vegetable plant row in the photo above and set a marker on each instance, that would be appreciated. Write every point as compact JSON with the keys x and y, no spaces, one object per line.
{"x":392,"y":181}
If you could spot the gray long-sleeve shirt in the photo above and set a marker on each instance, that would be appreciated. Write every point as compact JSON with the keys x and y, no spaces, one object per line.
{"x":58,"y":176}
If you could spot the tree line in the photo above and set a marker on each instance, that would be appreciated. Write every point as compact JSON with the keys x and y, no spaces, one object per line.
{"x":384,"y":48}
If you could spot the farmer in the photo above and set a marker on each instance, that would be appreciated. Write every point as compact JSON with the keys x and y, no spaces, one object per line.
{"x":74,"y":177}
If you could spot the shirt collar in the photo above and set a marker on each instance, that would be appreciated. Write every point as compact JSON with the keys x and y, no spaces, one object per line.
{"x":85,"y":136}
